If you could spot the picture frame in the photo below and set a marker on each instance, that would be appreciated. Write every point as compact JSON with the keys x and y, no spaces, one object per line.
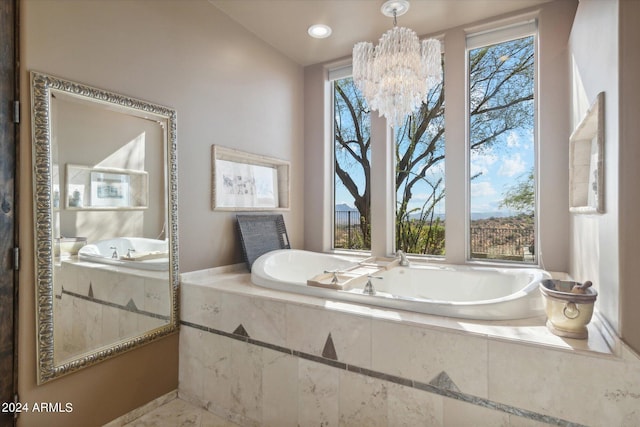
{"x":97,"y":188}
{"x":242,"y":181}
{"x":586,"y":168}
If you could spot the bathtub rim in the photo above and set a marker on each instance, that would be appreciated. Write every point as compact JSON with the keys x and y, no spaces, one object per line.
{"x":235,"y":279}
{"x":158,"y":264}
{"x":532,"y":286}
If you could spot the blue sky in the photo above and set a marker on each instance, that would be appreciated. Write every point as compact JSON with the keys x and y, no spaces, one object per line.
{"x":501,"y":166}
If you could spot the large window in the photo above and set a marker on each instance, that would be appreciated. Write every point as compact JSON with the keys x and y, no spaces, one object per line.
{"x":502,"y":150}
{"x":352,"y":165}
{"x":495,"y":176}
{"x":419,"y":178}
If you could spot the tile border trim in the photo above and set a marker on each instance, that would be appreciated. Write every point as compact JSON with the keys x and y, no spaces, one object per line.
{"x":429,"y":388}
{"x":129,"y":307}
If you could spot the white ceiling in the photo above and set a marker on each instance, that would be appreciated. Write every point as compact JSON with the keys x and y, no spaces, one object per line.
{"x":283,"y":23}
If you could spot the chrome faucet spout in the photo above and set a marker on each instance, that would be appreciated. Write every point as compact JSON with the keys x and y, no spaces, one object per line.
{"x":404,"y":261}
{"x":369,"y":289}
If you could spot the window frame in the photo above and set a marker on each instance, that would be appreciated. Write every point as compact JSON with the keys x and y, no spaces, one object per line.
{"x":335,"y":72}
{"x":488,"y":36}
{"x":457,"y":247}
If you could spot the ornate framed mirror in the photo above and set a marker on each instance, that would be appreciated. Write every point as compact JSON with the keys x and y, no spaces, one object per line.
{"x":106,"y":223}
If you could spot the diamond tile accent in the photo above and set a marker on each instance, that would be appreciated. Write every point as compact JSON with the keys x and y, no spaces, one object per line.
{"x":443,"y":381}
{"x":329,"y":350}
{"x":240,"y":330}
{"x":132,"y":305}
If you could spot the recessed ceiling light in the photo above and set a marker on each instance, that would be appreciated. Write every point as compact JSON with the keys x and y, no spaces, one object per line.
{"x":319,"y":31}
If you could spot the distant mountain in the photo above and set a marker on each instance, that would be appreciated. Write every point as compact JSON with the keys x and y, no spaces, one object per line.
{"x":343,"y":207}
{"x":486,"y":215}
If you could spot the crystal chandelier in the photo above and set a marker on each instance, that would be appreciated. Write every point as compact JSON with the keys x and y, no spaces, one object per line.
{"x":395,"y":77}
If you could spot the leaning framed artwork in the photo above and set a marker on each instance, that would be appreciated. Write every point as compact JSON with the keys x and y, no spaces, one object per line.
{"x":242,"y":181}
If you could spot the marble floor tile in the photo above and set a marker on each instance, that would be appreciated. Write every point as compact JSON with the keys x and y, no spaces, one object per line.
{"x":178,"y":413}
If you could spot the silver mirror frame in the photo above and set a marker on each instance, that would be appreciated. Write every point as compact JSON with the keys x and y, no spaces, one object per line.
{"x":41,"y":87}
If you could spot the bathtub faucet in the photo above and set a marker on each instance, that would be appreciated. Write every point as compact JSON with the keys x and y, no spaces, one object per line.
{"x":334,"y":279}
{"x":369,"y":289}
{"x":403,"y":258}
{"x":114,"y":255}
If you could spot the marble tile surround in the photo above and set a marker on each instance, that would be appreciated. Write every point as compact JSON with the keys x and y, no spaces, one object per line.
{"x":390,"y":368}
{"x":97,"y":305}
{"x":169,"y":411}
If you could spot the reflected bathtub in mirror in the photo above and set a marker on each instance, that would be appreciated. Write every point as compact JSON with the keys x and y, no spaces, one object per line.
{"x":131,"y":252}
{"x":104,"y":167}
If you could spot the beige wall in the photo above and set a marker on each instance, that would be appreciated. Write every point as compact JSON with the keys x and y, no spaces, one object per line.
{"x":228,"y":88}
{"x":595,"y":238}
{"x":629,"y":172}
{"x":91,"y":136}
{"x":553,"y":108}
{"x":604,"y":248}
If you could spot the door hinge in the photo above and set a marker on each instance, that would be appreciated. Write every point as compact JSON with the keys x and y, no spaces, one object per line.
{"x":16,"y":403}
{"x":16,"y":259}
{"x":16,"y":112}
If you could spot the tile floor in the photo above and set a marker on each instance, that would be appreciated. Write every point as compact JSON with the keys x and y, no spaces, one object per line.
{"x":178,"y":413}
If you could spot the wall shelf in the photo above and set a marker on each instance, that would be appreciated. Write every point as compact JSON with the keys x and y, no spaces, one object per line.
{"x":586,"y":157}
{"x":242,"y":181}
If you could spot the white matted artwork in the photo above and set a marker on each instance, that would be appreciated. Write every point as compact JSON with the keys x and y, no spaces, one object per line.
{"x":245,"y":181}
{"x":586,"y":168}
{"x":110,"y":189}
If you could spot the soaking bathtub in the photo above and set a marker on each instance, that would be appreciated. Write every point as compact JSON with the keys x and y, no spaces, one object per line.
{"x":145,"y":254}
{"x":461,"y":291}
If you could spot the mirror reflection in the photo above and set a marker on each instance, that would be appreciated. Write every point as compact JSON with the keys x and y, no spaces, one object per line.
{"x":106,"y":232}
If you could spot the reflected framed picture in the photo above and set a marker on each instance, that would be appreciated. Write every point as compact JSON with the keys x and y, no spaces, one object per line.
{"x":95,"y":188}
{"x":110,"y":189}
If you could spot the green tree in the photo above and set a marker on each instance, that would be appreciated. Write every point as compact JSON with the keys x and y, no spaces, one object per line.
{"x":521,"y":196}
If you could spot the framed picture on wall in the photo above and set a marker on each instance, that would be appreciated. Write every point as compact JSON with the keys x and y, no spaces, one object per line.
{"x":586,"y":167}
{"x":246,"y":182}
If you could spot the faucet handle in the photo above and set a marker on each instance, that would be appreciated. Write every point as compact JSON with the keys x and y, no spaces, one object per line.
{"x":129,"y":252}
{"x":334,"y":279}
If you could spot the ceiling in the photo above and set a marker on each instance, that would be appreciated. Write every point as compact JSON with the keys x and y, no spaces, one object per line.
{"x":283,"y":23}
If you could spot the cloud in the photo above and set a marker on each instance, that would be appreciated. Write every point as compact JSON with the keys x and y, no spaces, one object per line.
{"x":513,"y":140}
{"x":512,"y":166}
{"x":482,"y":189}
{"x":480,"y":163}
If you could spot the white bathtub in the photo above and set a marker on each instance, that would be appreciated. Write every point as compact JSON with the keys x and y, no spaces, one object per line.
{"x":482,"y":293}
{"x":146,"y":254}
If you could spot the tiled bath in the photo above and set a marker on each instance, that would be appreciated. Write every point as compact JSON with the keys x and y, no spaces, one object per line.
{"x":260,"y":357}
{"x":100,"y":304}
